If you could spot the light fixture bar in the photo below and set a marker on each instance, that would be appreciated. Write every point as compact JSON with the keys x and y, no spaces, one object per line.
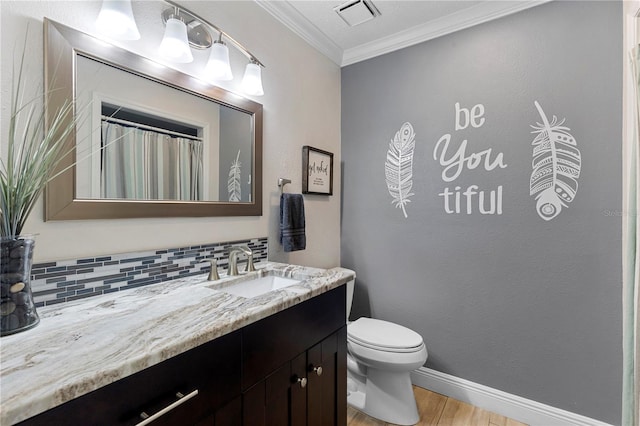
{"x":227,"y":37}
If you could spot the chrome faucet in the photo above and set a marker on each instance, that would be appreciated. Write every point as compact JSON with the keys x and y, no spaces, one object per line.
{"x":233,"y":259}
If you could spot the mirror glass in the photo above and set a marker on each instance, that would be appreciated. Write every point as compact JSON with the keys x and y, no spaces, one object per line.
{"x":149,"y":141}
{"x":153,"y":142}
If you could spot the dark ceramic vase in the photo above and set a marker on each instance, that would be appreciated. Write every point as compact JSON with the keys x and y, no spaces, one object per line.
{"x":17,"y":310}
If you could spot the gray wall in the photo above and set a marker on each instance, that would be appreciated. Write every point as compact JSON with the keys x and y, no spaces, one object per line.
{"x":511,"y":301}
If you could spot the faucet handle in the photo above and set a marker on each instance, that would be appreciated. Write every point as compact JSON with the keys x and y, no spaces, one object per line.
{"x":213,"y":274}
{"x":250,"y":267}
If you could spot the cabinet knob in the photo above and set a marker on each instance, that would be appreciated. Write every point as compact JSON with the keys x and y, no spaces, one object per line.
{"x":302,"y":381}
{"x":317,"y":370}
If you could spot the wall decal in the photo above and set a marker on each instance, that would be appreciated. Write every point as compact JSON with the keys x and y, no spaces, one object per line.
{"x":234,"y":187}
{"x":398,"y":169}
{"x":456,"y":160}
{"x":556,"y":166}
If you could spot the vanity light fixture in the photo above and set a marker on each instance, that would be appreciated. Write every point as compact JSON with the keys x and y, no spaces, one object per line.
{"x":185,"y":30}
{"x":252,"y":80}
{"x":175,"y":43}
{"x":218,"y":66}
{"x":116,"y":20}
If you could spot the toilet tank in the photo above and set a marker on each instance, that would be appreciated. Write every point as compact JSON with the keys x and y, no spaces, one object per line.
{"x":350,"y":287}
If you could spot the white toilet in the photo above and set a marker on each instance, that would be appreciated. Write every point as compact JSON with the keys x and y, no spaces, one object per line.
{"x":380,"y":357}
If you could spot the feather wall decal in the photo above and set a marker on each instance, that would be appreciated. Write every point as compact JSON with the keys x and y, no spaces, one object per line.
{"x":233,"y":184}
{"x":556,"y":166}
{"x":398,"y":168}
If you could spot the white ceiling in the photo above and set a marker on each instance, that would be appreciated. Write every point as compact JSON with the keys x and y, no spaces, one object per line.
{"x":402,"y":23}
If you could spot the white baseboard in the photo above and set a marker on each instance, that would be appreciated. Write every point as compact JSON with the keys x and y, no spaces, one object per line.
{"x":515,"y":407}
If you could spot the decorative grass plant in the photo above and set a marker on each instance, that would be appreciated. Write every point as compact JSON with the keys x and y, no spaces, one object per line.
{"x":33,"y":153}
{"x":34,"y":150}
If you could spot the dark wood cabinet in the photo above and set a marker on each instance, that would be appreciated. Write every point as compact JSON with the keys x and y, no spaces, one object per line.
{"x":327,"y":381}
{"x":294,"y":365}
{"x":229,"y":415}
{"x":310,"y":389}
{"x":213,"y":369}
{"x":286,"y":369}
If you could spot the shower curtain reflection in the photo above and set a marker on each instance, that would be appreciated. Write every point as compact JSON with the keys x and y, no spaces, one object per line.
{"x":145,"y":165}
{"x":631,"y":260}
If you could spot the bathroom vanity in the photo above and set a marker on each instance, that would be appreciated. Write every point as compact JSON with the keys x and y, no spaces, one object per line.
{"x":186,"y":352}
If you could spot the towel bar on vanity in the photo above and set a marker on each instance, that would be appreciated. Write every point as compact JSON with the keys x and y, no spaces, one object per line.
{"x":282,"y":182}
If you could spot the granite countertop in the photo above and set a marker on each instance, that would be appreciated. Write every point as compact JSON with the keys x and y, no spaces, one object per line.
{"x":83,"y":345}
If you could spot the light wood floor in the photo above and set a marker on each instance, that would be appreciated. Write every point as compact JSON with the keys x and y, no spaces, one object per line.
{"x":439,"y":410}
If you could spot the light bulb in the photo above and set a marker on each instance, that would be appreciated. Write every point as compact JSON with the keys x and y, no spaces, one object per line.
{"x":116,"y":20}
{"x":175,"y":44}
{"x":218,"y":67}
{"x":252,"y":80}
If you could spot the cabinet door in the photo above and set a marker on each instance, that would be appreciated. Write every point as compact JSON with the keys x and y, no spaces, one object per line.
{"x":277,"y":398}
{"x":229,"y":415}
{"x":326,"y":392}
{"x":299,"y":389}
{"x":254,"y":410}
{"x":311,"y":389}
{"x":267,"y":403}
{"x":277,"y":339}
{"x":280,"y":399}
{"x":279,"y":354}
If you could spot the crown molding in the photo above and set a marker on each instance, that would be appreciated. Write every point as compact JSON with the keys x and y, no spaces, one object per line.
{"x":466,"y":18}
{"x":474,"y":15}
{"x":296,"y":22}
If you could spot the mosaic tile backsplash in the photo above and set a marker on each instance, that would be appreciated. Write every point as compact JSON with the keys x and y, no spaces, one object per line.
{"x":67,"y":280}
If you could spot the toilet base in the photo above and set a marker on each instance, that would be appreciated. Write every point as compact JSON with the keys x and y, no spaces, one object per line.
{"x":387,"y":396}
{"x":356,"y":399}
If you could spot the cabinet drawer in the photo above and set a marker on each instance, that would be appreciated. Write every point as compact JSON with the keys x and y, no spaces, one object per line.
{"x":270,"y":342}
{"x":213,"y":369}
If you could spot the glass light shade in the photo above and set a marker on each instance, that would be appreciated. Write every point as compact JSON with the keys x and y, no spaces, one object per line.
{"x":252,"y":80}
{"x":218,"y":67}
{"x":116,"y":20}
{"x":175,"y":44}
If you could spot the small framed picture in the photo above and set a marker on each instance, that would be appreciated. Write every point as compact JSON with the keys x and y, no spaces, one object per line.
{"x":317,"y":171}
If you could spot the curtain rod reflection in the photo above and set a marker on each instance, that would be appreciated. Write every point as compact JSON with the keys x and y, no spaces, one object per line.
{"x":146,"y":127}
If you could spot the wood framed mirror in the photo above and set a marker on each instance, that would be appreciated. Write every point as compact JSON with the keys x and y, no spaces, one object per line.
{"x":210,"y":139}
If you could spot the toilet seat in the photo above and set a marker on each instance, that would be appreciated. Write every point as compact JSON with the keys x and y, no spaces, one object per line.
{"x":384,"y":336}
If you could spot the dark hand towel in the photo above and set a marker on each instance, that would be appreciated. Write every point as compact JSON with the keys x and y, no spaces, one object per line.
{"x":292,"y":236}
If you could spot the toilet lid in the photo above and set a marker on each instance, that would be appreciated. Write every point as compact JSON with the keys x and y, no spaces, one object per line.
{"x":383,"y":334}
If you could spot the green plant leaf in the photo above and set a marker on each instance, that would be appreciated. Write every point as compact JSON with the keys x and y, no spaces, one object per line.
{"x":33,"y":154}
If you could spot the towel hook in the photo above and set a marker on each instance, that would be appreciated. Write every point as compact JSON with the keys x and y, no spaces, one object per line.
{"x":282,"y":182}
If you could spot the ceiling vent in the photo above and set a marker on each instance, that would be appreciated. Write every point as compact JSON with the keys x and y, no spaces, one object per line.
{"x":356,"y":12}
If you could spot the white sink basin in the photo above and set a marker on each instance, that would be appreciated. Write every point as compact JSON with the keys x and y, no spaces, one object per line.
{"x":257,"y":286}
